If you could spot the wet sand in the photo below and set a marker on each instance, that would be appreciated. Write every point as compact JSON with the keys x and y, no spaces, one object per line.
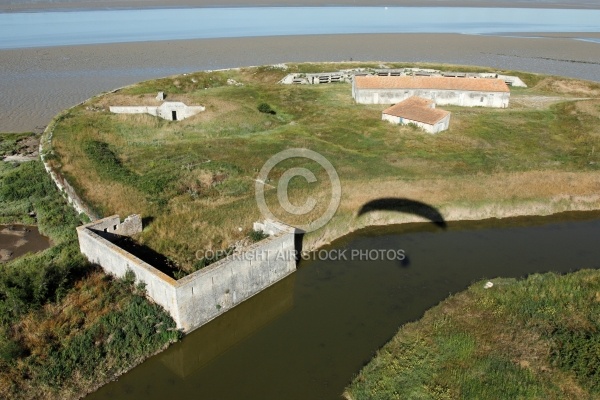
{"x":37,"y":83}
{"x":42,"y":5}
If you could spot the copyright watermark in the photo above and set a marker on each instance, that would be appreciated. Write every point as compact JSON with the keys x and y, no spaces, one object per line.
{"x":283,"y":185}
{"x":320,"y":255}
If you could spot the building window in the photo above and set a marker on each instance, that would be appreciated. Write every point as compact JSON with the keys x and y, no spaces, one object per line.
{"x":481,"y":99}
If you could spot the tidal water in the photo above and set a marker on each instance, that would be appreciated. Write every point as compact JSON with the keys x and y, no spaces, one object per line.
{"x":56,"y":28}
{"x":308,"y":335}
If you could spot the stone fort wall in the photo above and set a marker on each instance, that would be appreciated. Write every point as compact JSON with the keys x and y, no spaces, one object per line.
{"x":207,"y":293}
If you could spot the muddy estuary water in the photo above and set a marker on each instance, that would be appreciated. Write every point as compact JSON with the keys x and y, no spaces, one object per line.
{"x":17,"y":240}
{"x":308,"y":335}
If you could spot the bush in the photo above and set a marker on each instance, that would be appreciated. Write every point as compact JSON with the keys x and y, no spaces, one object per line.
{"x":257,"y":236}
{"x":266,"y":109}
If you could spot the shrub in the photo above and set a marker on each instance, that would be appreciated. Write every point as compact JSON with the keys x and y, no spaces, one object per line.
{"x":257,"y":236}
{"x":266,"y":109}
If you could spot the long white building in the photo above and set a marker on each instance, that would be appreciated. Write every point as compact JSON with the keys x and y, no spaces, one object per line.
{"x":466,"y":92}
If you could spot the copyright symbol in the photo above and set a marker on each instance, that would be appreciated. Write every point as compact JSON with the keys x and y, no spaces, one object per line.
{"x":284,"y":181}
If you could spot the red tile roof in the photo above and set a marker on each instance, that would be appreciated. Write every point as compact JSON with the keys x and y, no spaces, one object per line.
{"x":417,"y":109}
{"x":431,"y":82}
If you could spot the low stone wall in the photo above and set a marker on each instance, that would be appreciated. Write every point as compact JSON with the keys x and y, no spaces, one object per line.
{"x":61,"y":183}
{"x":207,"y":293}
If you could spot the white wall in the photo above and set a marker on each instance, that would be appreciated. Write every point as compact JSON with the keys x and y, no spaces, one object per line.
{"x":164,"y":111}
{"x":441,"y":97}
{"x":441,"y":125}
{"x":152,"y":110}
{"x":211,"y":291}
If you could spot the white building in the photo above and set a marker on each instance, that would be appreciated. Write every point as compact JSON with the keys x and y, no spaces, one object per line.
{"x":418,"y":111}
{"x":467,"y":92}
{"x":169,"y":110}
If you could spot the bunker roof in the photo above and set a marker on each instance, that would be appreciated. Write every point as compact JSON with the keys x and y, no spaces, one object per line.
{"x":417,"y":109}
{"x":431,"y":82}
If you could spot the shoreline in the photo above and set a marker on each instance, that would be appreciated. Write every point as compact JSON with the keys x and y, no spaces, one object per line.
{"x":457,"y":214}
{"x":88,"y":5}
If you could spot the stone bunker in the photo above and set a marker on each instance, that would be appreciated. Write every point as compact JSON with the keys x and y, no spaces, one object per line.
{"x":169,"y":110}
{"x":207,"y":293}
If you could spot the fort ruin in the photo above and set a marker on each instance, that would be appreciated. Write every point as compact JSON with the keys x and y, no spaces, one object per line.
{"x":195,"y":299}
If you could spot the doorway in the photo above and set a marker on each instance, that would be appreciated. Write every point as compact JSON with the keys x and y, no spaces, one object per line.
{"x":174,"y":115}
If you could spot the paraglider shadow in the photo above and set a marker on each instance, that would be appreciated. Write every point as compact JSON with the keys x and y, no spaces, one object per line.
{"x":406,"y":206}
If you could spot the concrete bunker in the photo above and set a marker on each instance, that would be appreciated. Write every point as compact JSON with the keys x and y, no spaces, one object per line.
{"x":195,"y":299}
{"x":169,"y":110}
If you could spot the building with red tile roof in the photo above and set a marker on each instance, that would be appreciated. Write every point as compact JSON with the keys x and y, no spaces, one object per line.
{"x":418,"y":111}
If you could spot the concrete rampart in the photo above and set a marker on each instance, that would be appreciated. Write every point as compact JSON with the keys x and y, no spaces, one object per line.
{"x":205,"y":294}
{"x":94,"y":243}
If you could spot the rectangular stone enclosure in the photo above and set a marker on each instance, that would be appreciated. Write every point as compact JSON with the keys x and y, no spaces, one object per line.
{"x":207,"y":293}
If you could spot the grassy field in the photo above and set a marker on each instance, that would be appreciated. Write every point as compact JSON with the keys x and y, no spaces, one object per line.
{"x":194,"y":179}
{"x":535,"y":338}
{"x":65,"y":327}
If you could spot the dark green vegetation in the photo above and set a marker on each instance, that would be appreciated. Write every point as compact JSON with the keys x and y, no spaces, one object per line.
{"x":266,"y":108}
{"x":65,"y":327}
{"x":537,"y":338}
{"x":257,"y":236}
{"x":9,"y":141}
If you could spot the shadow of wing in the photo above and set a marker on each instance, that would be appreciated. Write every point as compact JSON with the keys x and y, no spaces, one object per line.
{"x":406,"y":206}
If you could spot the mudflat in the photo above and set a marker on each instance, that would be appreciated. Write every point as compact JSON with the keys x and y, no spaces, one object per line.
{"x":37,"y":83}
{"x":17,"y":240}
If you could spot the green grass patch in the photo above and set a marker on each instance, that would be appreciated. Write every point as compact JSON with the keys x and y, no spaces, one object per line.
{"x":535,"y":338}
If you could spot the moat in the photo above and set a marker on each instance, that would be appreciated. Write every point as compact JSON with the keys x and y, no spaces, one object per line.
{"x":307,"y":336}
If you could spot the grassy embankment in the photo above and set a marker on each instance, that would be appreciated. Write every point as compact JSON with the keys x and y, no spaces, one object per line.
{"x":65,"y":327}
{"x":536,"y":338}
{"x":195,"y":178}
